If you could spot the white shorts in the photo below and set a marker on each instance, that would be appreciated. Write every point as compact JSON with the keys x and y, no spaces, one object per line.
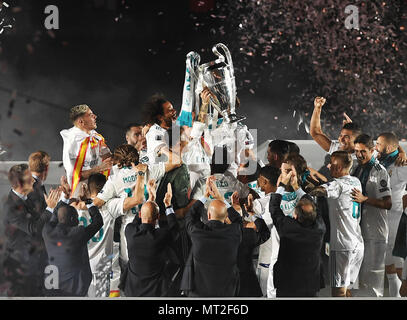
{"x":100,"y":285}
{"x":371,"y":280}
{"x":344,"y":267}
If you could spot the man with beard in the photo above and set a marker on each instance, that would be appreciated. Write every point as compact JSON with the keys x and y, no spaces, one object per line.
{"x":387,"y":147}
{"x":347,"y":136}
{"x":375,"y":199}
{"x":159,"y":116}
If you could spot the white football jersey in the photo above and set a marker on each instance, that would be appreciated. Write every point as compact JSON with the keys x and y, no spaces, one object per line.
{"x":121,"y":185}
{"x":374,"y":220}
{"x":100,"y":247}
{"x":197,"y":161}
{"x":123,"y":181}
{"x":398,"y":181}
{"x":155,"y":139}
{"x":344,"y":214}
{"x":227,"y":184}
{"x":288,"y":203}
{"x":261,"y":206}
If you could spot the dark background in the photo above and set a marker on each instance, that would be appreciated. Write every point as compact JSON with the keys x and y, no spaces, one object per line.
{"x":114,"y":54}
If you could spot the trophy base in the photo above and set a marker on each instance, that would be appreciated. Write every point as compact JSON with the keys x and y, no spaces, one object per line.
{"x":232,"y":118}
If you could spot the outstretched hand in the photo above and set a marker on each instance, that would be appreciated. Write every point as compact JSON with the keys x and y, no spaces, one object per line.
{"x":346,"y":120}
{"x":65,"y":186}
{"x":53,"y":197}
{"x":151,"y":189}
{"x":168,"y":196}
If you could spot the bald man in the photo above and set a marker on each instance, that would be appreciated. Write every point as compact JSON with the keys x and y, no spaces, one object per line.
{"x":212,"y":267}
{"x":147,"y":245}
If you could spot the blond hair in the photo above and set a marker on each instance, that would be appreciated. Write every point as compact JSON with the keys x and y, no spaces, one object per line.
{"x":78,"y":111}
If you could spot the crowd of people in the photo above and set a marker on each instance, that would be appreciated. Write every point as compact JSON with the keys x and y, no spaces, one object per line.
{"x":188,"y":210}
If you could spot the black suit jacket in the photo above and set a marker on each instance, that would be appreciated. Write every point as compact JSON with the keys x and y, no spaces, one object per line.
{"x":37,"y":196}
{"x":67,"y":249}
{"x":24,"y":243}
{"x":212,"y":270}
{"x":297,"y":270}
{"x":251,"y":239}
{"x":148,"y":248}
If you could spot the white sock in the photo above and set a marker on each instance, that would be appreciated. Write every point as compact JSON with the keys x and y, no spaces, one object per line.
{"x":394,"y":284}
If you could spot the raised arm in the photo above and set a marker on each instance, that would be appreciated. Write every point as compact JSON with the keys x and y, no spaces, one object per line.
{"x":315,"y":125}
{"x":263,"y":232}
{"x":95,"y":225}
{"x":138,"y":190}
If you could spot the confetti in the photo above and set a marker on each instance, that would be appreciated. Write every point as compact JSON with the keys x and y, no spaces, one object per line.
{"x":340,"y":64}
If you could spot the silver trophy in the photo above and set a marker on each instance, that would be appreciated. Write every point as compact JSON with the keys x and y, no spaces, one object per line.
{"x":219,"y":77}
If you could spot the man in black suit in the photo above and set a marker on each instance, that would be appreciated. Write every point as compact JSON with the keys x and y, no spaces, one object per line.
{"x":255,"y":233}
{"x":297,"y":270}
{"x":39,"y":164}
{"x":211,"y":269}
{"x":25,"y":256}
{"x":148,"y":246}
{"x":66,"y":244}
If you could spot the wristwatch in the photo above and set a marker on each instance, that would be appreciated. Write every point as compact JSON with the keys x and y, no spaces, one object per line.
{"x":141,"y":173}
{"x":282,"y":185}
{"x":88,"y":201}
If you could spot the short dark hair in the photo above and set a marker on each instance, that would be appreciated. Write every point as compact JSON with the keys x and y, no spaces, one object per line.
{"x":279,"y":147}
{"x":124,"y":155}
{"x":344,"y":157}
{"x":303,"y":216}
{"x":293,"y":147}
{"x":364,"y":139}
{"x":96,"y":182}
{"x":65,"y":214}
{"x":16,"y":174}
{"x":354,"y":127}
{"x":271,"y":174}
{"x":390,"y":138}
{"x":131,"y":125}
{"x":154,"y":108}
{"x":218,"y":164}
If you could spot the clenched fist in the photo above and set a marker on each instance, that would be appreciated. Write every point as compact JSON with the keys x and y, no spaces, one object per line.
{"x":319,"y":102}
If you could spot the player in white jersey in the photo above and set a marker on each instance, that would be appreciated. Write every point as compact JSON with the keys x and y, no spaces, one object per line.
{"x":122,"y":183}
{"x":387,"y":147}
{"x":225,"y":181}
{"x":347,"y":136}
{"x":375,"y":199}
{"x":85,"y":151}
{"x":100,"y":247}
{"x":267,"y":181}
{"x":159,"y":115}
{"x":346,"y":244}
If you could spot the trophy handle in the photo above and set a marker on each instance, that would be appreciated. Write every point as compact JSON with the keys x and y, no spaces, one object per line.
{"x":193,"y":61}
{"x":221,"y":57}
